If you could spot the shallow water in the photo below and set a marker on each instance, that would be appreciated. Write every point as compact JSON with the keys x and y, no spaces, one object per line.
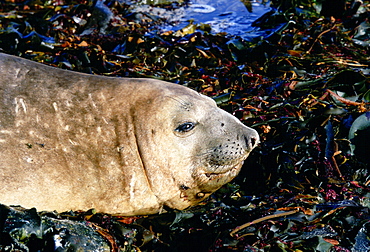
{"x":230,"y":16}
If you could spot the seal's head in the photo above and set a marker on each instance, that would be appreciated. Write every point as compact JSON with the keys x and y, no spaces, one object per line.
{"x":199,"y":146}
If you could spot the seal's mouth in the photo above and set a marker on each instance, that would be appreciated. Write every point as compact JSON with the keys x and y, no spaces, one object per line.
{"x":228,"y":172}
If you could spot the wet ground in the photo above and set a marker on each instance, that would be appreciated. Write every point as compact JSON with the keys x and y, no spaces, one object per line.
{"x":230,"y":16}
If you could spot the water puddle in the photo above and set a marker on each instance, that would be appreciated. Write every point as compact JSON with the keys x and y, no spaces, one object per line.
{"x":230,"y":16}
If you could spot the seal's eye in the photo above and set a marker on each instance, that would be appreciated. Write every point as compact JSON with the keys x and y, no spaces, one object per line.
{"x":185,"y":127}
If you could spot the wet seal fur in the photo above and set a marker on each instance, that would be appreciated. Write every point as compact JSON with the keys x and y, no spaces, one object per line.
{"x":72,"y":141}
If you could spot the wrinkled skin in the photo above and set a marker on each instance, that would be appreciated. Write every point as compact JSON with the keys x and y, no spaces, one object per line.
{"x":71,"y":141}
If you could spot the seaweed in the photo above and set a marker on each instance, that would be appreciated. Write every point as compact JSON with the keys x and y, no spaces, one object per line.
{"x":303,"y":85}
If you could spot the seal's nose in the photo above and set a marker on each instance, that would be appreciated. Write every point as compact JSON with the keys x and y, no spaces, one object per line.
{"x":252,"y":139}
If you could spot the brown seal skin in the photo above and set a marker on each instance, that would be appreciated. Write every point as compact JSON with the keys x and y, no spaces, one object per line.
{"x":72,"y":141}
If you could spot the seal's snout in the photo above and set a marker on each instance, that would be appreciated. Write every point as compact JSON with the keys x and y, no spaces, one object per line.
{"x":251,"y":139}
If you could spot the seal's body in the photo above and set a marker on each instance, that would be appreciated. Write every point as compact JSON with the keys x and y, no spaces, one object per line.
{"x":72,"y":141}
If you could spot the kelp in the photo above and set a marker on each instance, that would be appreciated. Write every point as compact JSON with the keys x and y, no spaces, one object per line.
{"x":303,"y":85}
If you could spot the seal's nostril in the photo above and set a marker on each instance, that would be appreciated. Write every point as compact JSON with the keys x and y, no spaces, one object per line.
{"x":251,"y":142}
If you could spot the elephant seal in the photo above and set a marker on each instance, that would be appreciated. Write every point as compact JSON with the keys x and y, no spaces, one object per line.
{"x":73,"y":141}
